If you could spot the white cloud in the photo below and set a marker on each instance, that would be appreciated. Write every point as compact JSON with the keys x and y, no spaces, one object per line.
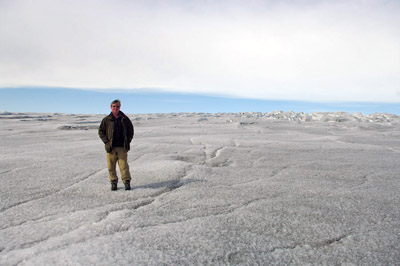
{"x":312,"y":50}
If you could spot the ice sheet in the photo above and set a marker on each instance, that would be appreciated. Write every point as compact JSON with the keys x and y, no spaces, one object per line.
{"x":208,"y":189}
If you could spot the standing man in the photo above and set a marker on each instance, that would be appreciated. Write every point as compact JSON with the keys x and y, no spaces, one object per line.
{"x":116,"y":131}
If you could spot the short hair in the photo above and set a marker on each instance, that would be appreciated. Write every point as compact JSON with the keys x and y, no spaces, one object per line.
{"x":116,"y":101}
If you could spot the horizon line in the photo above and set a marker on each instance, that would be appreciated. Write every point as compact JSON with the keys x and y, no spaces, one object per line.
{"x":77,"y":100}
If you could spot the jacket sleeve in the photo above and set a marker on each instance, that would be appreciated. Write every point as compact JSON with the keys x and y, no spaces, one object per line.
{"x":103,"y":131}
{"x":130,"y":130}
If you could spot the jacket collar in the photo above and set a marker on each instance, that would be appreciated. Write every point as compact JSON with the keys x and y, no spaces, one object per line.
{"x":120,"y":114}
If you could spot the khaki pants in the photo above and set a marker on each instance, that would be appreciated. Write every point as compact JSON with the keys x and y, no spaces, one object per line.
{"x":118,"y":154}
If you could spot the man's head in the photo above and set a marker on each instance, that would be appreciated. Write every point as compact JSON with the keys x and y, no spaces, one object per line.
{"x":115,"y":106}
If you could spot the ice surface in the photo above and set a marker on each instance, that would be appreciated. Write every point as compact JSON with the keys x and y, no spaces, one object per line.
{"x":281,"y":188}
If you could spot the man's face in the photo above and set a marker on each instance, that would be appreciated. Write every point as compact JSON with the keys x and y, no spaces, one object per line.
{"x":115,"y":108}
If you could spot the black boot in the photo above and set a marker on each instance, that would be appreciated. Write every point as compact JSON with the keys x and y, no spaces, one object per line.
{"x":113,"y":185}
{"x":127,"y":185}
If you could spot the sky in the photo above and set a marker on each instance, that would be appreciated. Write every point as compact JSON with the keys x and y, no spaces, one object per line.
{"x":306,"y":50}
{"x":73,"y":101}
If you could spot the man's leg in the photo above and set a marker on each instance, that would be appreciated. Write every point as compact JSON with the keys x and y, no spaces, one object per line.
{"x":112,"y":166}
{"x":123,"y":164}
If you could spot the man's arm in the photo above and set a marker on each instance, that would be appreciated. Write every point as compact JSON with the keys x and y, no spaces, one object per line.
{"x":102,"y":131}
{"x":130,"y":130}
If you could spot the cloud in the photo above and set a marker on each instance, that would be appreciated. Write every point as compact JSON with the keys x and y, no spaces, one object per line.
{"x":311,"y":50}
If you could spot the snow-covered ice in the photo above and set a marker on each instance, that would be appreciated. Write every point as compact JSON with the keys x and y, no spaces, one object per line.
{"x":278,"y":188}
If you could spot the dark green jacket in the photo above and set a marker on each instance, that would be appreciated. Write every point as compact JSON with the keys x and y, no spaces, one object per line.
{"x":106,"y":131}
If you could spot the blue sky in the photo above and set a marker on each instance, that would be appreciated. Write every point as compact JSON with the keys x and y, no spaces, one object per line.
{"x":309,"y":51}
{"x":98,"y":102}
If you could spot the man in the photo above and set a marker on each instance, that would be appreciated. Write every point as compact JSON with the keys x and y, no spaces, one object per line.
{"x":116,"y":131}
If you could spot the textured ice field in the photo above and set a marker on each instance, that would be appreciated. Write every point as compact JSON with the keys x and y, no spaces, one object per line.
{"x":222,"y":189}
